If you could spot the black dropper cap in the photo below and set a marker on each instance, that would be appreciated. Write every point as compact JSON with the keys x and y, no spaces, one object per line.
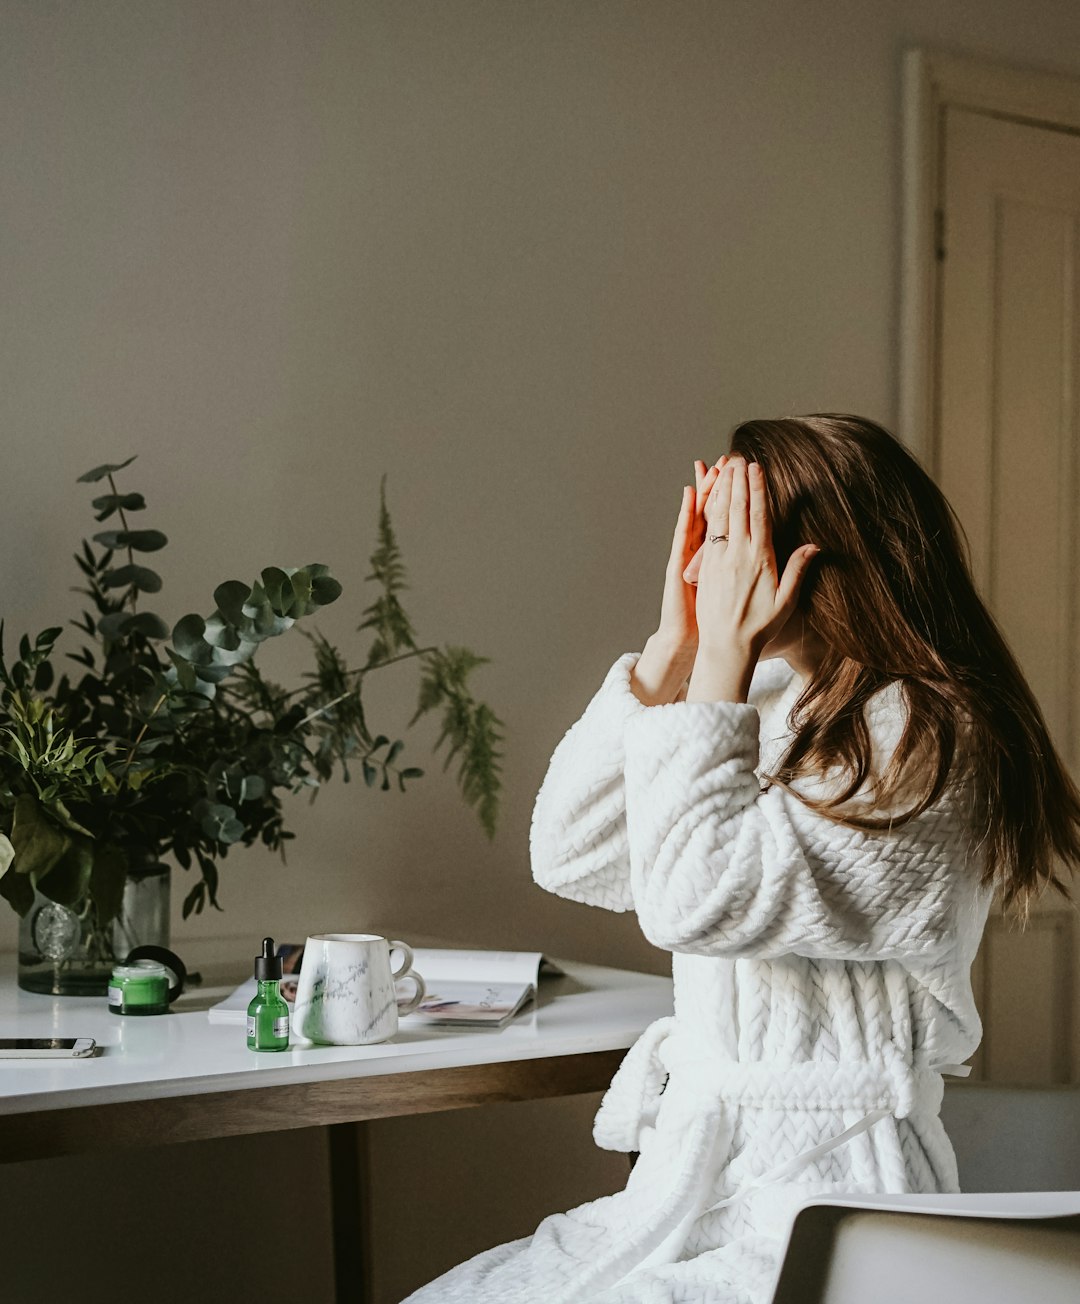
{"x":268,"y":965}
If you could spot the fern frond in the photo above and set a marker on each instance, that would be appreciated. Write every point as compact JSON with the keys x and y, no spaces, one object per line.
{"x":444,"y":676}
{"x":471,"y":728}
{"x":386,"y":616}
{"x":481,"y":765}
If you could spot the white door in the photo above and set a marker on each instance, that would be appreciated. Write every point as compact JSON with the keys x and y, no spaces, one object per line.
{"x":1006,"y":455}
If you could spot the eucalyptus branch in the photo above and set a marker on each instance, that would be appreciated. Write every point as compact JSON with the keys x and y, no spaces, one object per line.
{"x":141,"y":735}
{"x":133,"y":592}
{"x":230,"y":745}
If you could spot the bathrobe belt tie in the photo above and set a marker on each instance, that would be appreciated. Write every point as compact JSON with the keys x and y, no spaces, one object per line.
{"x":669,"y":1063}
{"x":664,"y":1051}
{"x":893,"y":1088}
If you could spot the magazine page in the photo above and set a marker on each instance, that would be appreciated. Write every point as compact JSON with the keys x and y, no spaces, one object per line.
{"x":469,"y":1004}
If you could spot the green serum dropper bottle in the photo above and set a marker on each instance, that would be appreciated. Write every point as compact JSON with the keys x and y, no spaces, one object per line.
{"x":268,"y":1015}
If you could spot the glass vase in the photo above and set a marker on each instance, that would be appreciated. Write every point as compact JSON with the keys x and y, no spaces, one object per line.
{"x":65,"y":951}
{"x":144,"y":912}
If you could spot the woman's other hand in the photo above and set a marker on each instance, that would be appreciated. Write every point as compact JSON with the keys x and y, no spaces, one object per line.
{"x":741,"y":603}
{"x":678,"y":617}
{"x":668,"y":657}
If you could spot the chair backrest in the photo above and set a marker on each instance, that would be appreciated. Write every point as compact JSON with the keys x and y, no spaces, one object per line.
{"x":843,"y":1255}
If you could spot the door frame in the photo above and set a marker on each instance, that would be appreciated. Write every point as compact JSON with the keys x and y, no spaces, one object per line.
{"x":932,"y":82}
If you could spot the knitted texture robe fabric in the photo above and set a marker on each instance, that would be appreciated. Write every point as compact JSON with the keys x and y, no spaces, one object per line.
{"x":821,"y":983}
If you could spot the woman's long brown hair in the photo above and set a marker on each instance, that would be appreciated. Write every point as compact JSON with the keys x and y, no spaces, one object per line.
{"x":892,"y":597}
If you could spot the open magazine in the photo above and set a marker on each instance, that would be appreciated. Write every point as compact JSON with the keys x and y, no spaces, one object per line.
{"x":473,"y":988}
{"x":469,"y":988}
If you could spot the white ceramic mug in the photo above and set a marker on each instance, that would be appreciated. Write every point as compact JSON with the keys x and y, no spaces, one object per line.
{"x":345,"y":995}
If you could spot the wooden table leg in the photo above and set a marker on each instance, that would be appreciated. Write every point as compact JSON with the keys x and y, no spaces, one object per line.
{"x":347,"y":1146}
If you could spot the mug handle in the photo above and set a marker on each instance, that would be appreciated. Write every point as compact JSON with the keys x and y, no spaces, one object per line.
{"x":407,"y":971}
{"x":407,"y":952}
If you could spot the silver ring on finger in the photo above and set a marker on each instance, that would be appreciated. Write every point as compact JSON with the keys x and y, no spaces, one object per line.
{"x":716,"y":538}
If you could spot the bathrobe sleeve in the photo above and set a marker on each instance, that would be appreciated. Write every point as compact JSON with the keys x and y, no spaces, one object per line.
{"x":721,"y":866}
{"x":578,"y":837}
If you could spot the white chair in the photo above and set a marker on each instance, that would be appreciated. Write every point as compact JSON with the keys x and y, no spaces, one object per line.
{"x":983,"y":1248}
{"x":1011,"y":1238}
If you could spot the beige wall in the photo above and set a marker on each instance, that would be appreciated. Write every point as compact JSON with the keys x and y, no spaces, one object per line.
{"x":528,"y":259}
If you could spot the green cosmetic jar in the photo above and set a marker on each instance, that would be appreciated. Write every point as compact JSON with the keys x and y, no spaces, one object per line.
{"x":146,"y":984}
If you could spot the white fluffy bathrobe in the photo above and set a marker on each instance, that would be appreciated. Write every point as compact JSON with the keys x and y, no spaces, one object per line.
{"x":821,"y":985}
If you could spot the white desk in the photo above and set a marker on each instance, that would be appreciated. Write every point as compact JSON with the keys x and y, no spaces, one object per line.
{"x":177,"y":1077}
{"x":590,"y":1011}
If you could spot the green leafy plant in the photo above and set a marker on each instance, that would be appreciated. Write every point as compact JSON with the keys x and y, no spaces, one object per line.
{"x":170,"y":742}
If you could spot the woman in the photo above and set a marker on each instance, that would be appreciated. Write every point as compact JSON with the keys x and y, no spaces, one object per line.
{"x":808,"y":786}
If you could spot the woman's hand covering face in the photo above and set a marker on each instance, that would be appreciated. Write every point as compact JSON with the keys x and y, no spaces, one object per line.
{"x":678,"y":624}
{"x":741,"y":602}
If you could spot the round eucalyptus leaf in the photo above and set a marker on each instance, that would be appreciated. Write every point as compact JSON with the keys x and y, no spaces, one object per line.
{"x":235,"y":656}
{"x":110,"y":503}
{"x":144,"y":540}
{"x":325,"y":589}
{"x":219,"y":821}
{"x":139,"y":540}
{"x":213,"y":674}
{"x":100,"y":472}
{"x":113,"y":625}
{"x":256,"y":599}
{"x":300,"y":584}
{"x":219,"y":633}
{"x":183,"y":672}
{"x":111,"y":539}
{"x":202,"y":654}
{"x":268,"y":624}
{"x":278,"y":591}
{"x":245,"y":627}
{"x":253,"y":787}
{"x":148,"y":625}
{"x":138,"y":577}
{"x":204,"y":690}
{"x":232,"y":831}
{"x":230,"y":598}
{"x":187,"y":636}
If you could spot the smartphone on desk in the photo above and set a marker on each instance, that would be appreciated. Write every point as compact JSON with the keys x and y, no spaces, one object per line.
{"x":46,"y":1047}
